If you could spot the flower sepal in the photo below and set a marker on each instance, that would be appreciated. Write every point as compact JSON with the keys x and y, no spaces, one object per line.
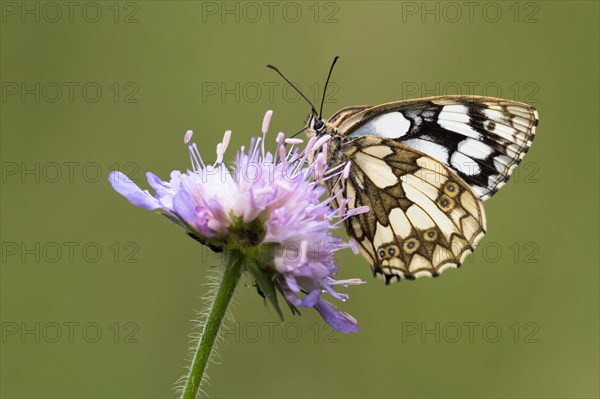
{"x":244,"y":235}
{"x":264,"y":283}
{"x":215,"y":244}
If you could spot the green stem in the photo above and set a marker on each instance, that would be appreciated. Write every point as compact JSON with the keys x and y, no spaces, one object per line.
{"x":218,"y":308}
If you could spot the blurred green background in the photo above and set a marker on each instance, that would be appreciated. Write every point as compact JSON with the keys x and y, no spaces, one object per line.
{"x":97,"y":295}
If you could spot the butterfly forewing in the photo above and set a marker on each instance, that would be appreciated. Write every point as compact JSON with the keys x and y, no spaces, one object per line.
{"x":423,"y":217}
{"x":343,"y":114}
{"x":482,"y":139}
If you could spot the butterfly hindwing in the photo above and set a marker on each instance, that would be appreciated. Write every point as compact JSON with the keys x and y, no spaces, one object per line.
{"x":423,"y":217}
{"x":482,"y":139}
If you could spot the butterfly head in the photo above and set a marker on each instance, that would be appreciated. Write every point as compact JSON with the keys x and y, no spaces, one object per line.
{"x":315,"y":126}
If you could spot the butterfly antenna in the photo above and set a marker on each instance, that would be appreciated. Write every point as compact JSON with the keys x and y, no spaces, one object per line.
{"x":298,"y":132}
{"x":326,"y":83}
{"x":295,"y":88}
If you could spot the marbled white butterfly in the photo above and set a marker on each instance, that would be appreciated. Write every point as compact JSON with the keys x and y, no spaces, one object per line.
{"x":423,"y":166}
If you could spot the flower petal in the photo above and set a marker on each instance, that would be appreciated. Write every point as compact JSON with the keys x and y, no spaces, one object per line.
{"x":312,"y":298}
{"x":184,"y":206}
{"x":156,"y":183}
{"x":339,"y":320}
{"x":128,"y":189}
{"x":164,"y":191}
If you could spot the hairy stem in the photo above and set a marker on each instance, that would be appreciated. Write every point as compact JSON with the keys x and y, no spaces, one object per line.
{"x":217,"y":311}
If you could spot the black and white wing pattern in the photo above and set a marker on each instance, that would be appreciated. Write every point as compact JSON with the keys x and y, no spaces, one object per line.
{"x":482,"y":139}
{"x":423,"y":218}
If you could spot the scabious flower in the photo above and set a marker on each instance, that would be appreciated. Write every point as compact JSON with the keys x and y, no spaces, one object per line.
{"x":269,"y":207}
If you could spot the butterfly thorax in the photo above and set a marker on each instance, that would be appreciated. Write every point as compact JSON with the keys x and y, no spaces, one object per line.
{"x":315,"y":129}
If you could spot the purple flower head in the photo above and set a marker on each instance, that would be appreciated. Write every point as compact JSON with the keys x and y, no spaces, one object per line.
{"x":272,"y":207}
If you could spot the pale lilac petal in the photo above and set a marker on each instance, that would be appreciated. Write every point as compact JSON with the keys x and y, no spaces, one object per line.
{"x":311,"y":299}
{"x":292,"y":284}
{"x":128,"y":189}
{"x":164,"y":191}
{"x":184,"y":206}
{"x":339,"y":320}
{"x":156,"y":183}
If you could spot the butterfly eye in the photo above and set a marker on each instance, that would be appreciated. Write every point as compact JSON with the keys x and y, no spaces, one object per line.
{"x":318,"y":124}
